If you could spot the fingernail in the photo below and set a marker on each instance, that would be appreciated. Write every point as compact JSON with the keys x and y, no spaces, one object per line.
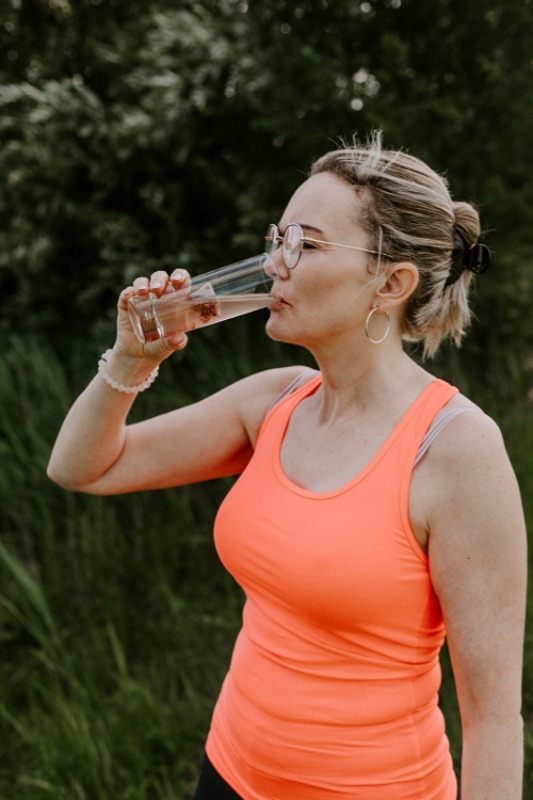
{"x":156,"y":285}
{"x":177,"y":275}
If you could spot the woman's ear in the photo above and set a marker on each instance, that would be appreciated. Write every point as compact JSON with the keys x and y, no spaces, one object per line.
{"x":399,"y":284}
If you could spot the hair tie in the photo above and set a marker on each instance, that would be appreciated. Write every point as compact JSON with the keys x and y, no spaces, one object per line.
{"x":475,"y":258}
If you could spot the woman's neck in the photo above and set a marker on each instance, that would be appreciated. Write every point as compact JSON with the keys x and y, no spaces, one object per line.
{"x":379,"y":376}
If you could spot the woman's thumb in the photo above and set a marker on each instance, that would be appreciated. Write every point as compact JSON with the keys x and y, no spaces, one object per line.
{"x":163,"y":348}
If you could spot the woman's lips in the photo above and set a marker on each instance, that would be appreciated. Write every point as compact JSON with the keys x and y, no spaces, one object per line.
{"x":278,"y":302}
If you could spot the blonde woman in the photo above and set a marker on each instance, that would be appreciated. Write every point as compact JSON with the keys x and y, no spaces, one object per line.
{"x":376,"y":511}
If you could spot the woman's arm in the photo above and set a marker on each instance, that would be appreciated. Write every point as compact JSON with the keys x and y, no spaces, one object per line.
{"x":478,"y":562}
{"x":96,"y":452}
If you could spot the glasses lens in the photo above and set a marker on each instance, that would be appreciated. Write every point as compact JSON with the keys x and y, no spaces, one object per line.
{"x":271,"y":239}
{"x":292,"y":245}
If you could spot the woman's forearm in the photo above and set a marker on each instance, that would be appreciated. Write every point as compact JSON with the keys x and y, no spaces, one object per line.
{"x":492,"y":763}
{"x":93,"y":434}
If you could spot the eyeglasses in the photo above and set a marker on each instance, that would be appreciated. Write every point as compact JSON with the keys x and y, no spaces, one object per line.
{"x":293,"y":240}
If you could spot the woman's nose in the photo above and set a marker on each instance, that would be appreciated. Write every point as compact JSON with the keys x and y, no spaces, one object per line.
{"x":275,"y":266}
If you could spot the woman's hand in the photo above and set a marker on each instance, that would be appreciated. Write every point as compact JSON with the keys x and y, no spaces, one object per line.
{"x":127,"y":343}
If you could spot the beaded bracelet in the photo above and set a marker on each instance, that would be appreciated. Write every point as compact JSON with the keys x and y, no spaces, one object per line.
{"x":102,"y":363}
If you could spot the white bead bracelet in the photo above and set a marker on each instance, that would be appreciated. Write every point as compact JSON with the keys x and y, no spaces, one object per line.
{"x":102,"y":364}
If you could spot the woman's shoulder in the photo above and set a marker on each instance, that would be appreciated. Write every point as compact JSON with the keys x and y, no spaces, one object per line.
{"x":469,"y":440}
{"x":260,"y":392}
{"x":272,"y":382}
{"x":465,"y":480}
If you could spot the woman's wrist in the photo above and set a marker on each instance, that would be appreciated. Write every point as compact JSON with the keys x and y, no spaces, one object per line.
{"x":126,"y":374}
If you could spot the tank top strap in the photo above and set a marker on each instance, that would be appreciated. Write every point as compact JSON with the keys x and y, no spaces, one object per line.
{"x":420,"y":415}
{"x":404,"y":444}
{"x":438,"y":425}
{"x":300,"y":380}
{"x":416,"y":423}
{"x":279,"y":412}
{"x":433,"y":399}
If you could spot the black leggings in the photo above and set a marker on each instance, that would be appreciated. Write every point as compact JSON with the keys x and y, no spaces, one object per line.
{"x":211,"y":786}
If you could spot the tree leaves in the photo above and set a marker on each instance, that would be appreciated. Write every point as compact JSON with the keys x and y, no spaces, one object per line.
{"x":132,"y":137}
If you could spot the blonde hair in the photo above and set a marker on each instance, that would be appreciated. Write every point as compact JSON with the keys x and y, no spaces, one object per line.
{"x":411,"y":204}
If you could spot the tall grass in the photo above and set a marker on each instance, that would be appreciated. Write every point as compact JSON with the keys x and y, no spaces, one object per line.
{"x":116,"y":620}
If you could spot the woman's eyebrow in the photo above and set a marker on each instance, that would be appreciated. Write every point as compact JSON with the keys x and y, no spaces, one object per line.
{"x":304,"y":227}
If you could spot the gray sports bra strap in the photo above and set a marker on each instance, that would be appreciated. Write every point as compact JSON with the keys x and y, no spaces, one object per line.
{"x":293,"y":385}
{"x":437,"y":427}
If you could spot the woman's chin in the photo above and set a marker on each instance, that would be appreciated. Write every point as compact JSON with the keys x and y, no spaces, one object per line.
{"x":278,"y":332}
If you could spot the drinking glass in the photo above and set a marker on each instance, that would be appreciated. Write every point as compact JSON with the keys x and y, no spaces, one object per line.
{"x":212,"y":297}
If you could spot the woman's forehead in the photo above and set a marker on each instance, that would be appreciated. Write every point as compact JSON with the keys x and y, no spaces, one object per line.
{"x":323,"y":201}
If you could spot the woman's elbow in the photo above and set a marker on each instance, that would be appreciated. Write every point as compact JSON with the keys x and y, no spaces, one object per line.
{"x":65,"y":479}
{"x":61,"y":478}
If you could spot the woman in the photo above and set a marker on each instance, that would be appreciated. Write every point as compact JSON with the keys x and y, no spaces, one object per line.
{"x":376,"y":509}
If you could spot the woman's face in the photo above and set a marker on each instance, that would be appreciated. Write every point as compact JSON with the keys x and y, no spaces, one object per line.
{"x":329,"y":293}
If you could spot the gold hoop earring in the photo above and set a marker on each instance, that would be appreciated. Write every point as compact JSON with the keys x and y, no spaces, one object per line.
{"x":367,"y":325}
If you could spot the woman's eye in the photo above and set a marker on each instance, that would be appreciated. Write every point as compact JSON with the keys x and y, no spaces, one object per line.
{"x":308,"y":246}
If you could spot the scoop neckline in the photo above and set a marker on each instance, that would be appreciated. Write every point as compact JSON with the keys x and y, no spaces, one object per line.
{"x":374,"y":461}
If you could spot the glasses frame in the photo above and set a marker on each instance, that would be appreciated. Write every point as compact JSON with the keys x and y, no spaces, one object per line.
{"x":273,"y":235}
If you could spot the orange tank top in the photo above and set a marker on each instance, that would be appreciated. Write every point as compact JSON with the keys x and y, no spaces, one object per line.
{"x":332,"y":687}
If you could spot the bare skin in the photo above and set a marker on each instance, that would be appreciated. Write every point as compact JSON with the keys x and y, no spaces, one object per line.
{"x":465,"y":506}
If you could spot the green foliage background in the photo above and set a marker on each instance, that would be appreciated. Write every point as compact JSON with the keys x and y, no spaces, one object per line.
{"x":135,"y":136}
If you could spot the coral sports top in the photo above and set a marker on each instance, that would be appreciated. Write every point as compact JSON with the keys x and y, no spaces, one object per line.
{"x":332,"y":688}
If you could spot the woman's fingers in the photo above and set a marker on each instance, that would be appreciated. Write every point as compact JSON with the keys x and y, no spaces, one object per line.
{"x":124,"y":296}
{"x":159,"y":283}
{"x":180,"y":278}
{"x":155,"y":286}
{"x":141,"y":285}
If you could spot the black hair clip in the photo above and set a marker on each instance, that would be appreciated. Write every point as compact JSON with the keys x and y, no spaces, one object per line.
{"x":476,"y":258}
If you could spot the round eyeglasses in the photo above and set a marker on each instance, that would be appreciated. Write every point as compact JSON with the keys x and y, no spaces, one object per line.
{"x":293,"y":240}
